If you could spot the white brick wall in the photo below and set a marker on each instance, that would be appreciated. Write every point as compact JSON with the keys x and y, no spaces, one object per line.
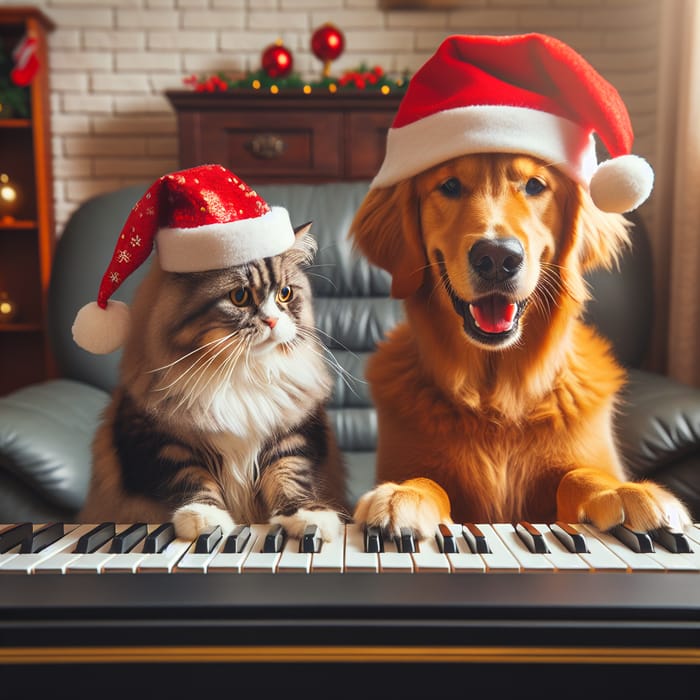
{"x":111,"y":60}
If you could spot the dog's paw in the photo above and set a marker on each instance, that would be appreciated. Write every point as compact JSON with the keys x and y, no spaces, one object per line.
{"x":419,"y":504}
{"x":192,"y":520}
{"x":642,"y":506}
{"x":328,"y":522}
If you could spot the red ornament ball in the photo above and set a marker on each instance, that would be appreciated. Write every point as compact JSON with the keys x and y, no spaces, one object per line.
{"x":327,"y":42}
{"x":277,"y":60}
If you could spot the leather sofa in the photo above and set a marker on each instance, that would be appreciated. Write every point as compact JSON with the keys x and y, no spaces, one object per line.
{"x":46,"y":429}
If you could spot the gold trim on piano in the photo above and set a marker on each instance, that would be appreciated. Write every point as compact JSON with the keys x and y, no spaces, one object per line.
{"x":350,"y":654}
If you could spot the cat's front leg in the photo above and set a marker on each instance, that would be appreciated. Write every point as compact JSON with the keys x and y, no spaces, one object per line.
{"x":193,"y":519}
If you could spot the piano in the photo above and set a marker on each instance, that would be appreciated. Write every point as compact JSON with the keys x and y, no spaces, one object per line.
{"x":565,"y":599}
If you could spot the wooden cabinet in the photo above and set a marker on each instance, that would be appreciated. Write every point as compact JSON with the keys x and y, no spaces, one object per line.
{"x":27,"y":228}
{"x":286,"y":137}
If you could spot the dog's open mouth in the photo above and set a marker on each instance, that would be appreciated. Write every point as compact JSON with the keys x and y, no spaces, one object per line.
{"x":491,"y":319}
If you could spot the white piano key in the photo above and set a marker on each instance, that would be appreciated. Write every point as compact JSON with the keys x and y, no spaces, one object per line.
{"x":559,"y":555}
{"x":129,"y":562}
{"x":693,"y":533}
{"x":393,"y":561}
{"x":258,"y":561}
{"x":27,"y":563}
{"x":675,"y":561}
{"x":232,"y":562}
{"x":528,"y":560}
{"x":165,"y":562}
{"x":429,"y":558}
{"x":599,"y":558}
{"x":331,"y":556}
{"x":356,"y":559}
{"x":635,"y":561}
{"x":194,"y":562}
{"x":292,"y":560}
{"x":94,"y":562}
{"x":58,"y":562}
{"x":464,"y":561}
{"x":11,"y":554}
{"x":500,"y":557}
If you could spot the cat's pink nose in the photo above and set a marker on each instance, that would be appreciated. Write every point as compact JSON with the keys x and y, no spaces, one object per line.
{"x":272,"y":322}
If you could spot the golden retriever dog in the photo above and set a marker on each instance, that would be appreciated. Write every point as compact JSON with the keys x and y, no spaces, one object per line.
{"x":495,"y":401}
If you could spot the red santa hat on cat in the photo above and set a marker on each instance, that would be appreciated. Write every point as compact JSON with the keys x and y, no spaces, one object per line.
{"x":204,"y":218}
{"x":527,"y":94}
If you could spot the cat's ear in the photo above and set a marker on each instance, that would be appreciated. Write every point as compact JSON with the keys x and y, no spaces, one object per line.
{"x":304,"y":248}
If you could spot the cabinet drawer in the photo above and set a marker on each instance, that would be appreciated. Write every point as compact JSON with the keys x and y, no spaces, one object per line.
{"x":365,"y":142}
{"x":268,"y":146}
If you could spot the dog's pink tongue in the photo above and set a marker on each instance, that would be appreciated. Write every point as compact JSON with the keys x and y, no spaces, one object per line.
{"x":494,"y":314}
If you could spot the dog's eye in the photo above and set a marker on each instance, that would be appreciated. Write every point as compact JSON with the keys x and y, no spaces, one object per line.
{"x":451,"y":187}
{"x":534,"y":186}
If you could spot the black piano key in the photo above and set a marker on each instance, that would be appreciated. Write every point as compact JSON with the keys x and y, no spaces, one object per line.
{"x":374,"y":542}
{"x":532,"y":537}
{"x":570,"y":537}
{"x":159,"y":539}
{"x":405,"y":542}
{"x":43,"y":538}
{"x":207,"y":540}
{"x":274,"y":539}
{"x":15,"y":535}
{"x":673,"y":540}
{"x":446,"y":540}
{"x":311,"y":541}
{"x":237,"y":540}
{"x":475,"y":539}
{"x":93,"y":540}
{"x":636,"y":541}
{"x":125,"y":541}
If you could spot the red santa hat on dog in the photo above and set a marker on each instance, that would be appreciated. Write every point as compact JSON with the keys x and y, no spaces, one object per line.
{"x":527,"y":94}
{"x":204,"y":218}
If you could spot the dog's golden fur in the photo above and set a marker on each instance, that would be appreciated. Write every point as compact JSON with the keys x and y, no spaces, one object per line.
{"x":519,"y":428}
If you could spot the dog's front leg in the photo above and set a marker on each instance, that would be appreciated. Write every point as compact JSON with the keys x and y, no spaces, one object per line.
{"x":419,"y":504}
{"x":592,"y":495}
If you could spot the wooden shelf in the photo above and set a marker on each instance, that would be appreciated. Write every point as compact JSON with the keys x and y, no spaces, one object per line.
{"x":286,"y":137}
{"x":27,"y":241}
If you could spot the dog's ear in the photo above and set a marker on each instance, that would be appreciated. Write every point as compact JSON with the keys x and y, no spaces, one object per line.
{"x":386,"y":229}
{"x":604,"y":236}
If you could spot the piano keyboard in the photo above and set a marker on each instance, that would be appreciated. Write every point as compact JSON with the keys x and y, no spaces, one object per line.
{"x":106,"y":548}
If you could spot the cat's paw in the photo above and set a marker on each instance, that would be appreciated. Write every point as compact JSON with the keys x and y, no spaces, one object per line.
{"x":192,"y":520}
{"x":642,"y":506}
{"x":328,"y":522}
{"x":419,"y":504}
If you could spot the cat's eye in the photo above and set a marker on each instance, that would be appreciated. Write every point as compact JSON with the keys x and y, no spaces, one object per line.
{"x":451,"y":188}
{"x":534,"y":186}
{"x":284,"y":294}
{"x":240,"y":296}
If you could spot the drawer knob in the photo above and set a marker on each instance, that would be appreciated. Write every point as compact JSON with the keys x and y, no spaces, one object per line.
{"x":266,"y":146}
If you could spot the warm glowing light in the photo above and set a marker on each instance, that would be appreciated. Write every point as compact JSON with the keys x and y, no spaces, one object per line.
{"x":332,"y":88}
{"x":385,"y":89}
{"x":256,"y":84}
{"x":274,"y":89}
{"x":8,"y":193}
{"x":5,"y":307}
{"x":307,"y":89}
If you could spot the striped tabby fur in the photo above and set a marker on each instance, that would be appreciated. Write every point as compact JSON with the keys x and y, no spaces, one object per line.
{"x":219,"y":417}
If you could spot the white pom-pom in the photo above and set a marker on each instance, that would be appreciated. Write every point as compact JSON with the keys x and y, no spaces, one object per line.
{"x":621,"y":184}
{"x":101,"y":331}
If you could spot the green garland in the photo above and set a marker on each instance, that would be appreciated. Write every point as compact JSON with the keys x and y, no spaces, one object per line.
{"x":363,"y":78}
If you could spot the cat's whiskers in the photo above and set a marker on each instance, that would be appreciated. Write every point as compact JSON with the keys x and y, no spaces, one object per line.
{"x":329,"y":358}
{"x":216,"y":341}
{"x":200,"y":365}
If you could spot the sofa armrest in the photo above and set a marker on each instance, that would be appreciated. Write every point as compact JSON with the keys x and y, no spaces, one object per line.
{"x":658,"y":429}
{"x":46,"y":432}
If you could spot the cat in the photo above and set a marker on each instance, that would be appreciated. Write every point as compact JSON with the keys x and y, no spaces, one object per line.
{"x":219,"y":416}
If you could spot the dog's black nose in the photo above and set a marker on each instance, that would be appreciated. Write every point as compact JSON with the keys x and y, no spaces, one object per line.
{"x":496,"y":259}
